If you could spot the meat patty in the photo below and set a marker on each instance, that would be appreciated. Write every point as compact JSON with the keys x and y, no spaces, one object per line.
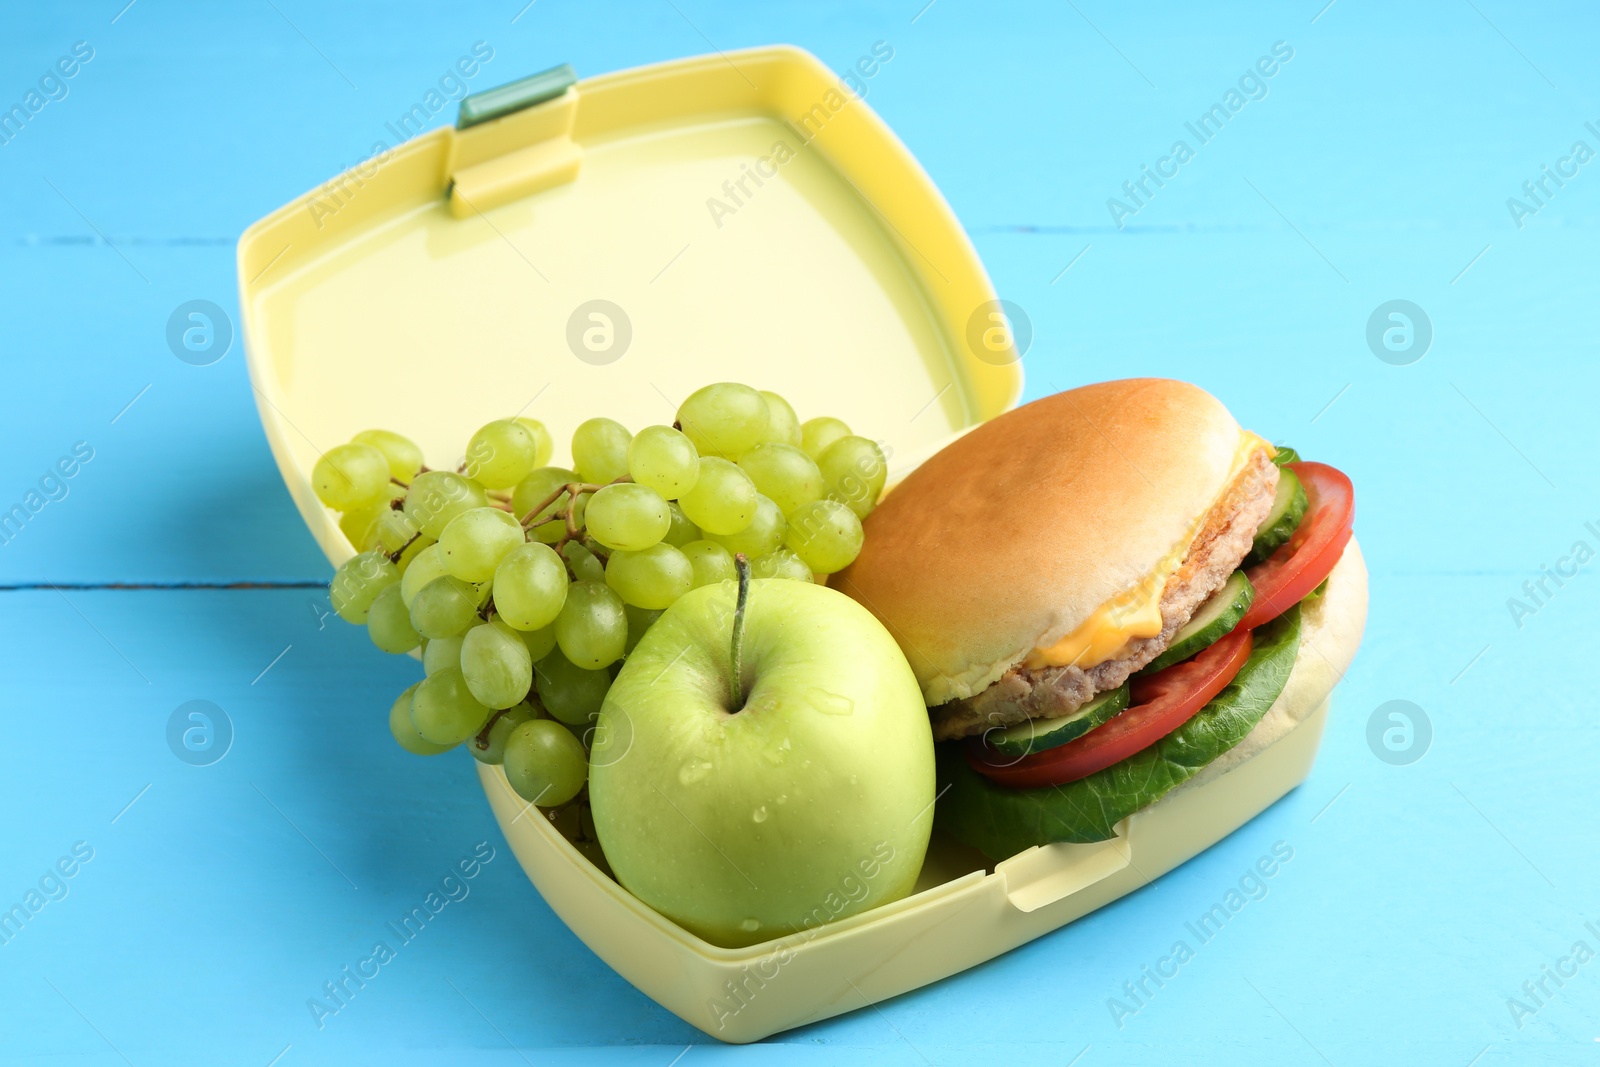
{"x":1049,"y":692}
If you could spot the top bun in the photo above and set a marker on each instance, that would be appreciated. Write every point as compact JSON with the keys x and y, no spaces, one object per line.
{"x":1013,"y":535}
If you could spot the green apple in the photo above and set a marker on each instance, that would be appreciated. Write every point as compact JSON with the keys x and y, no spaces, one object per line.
{"x":806,"y":797}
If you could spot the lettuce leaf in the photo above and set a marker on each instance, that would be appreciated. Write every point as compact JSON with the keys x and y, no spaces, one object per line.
{"x":1001,"y":822}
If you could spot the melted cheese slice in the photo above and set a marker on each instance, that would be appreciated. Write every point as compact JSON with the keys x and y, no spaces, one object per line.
{"x":1134,"y":613}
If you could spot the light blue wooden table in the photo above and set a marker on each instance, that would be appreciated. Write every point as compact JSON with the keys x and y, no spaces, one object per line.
{"x":1426,"y":905}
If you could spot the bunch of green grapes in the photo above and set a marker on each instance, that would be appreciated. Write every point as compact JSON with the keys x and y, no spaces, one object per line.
{"x":524,"y":585}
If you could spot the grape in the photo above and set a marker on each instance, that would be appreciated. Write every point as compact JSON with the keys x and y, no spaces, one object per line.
{"x":600,"y":450}
{"x":592,"y":628}
{"x":585,"y":565}
{"x":401,"y":453}
{"x":500,"y":454}
{"x":360,"y":527}
{"x":348,"y":477}
{"x":763,"y":535}
{"x":817,"y":434}
{"x":783,"y":425}
{"x":357,"y":583}
{"x":628,"y":517}
{"x":711,"y":562}
{"x":405,"y":731}
{"x":492,"y":748}
{"x":784,"y":473}
{"x":443,"y":652}
{"x":389,"y":623}
{"x":475,"y":542}
{"x":496,"y":665}
{"x":826,"y":535}
{"x":436,"y":497}
{"x":444,"y":709}
{"x":539,"y":642}
{"x":537,"y":487}
{"x":652,"y":578}
{"x":444,"y":607}
{"x":639,"y":620}
{"x":530,"y":585}
{"x":542,"y":443}
{"x":663,"y":459}
{"x":544,"y":763}
{"x":427,"y":566}
{"x":570,"y":693}
{"x":682,"y":530}
{"x":781,"y":564}
{"x":723,"y":500}
{"x":854,"y":470}
{"x":724,"y":420}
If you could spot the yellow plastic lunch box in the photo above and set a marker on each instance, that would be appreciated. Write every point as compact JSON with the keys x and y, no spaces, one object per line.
{"x":577,"y":248}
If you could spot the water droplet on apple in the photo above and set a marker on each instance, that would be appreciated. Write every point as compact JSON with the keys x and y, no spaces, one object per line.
{"x":783,"y":798}
{"x":750,"y":925}
{"x":829,"y":703}
{"x":693,"y":771}
{"x":759,"y":815}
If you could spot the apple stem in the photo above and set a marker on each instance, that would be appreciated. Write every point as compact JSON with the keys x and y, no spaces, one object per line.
{"x":736,"y":679}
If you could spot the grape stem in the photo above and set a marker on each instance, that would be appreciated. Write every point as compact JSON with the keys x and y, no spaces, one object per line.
{"x":577,"y":489}
{"x":394,"y":557}
{"x":736,"y":679}
{"x":481,"y":739}
{"x":397,"y":481}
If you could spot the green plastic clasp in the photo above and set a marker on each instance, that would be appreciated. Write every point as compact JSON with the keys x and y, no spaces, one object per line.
{"x":504,"y":99}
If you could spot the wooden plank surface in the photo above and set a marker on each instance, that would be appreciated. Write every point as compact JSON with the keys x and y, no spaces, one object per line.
{"x":1377,"y":165}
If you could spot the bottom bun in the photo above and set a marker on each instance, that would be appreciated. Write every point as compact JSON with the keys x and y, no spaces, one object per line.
{"x":1330,"y":633}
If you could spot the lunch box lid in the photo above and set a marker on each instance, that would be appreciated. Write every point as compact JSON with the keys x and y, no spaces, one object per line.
{"x":604,"y":247}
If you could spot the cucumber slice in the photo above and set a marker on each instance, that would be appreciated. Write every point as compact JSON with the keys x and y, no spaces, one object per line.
{"x":1036,"y":735}
{"x":1288,"y":508}
{"x":1286,"y":456}
{"x":1209,"y":623}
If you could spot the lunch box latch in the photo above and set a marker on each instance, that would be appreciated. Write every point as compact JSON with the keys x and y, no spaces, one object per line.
{"x":1045,"y":874}
{"x":514,"y":140}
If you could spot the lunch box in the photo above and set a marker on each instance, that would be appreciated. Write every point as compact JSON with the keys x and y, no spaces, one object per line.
{"x":603,"y":247}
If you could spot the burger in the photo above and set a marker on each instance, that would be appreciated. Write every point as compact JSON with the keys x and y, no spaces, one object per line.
{"x":1108,"y":595}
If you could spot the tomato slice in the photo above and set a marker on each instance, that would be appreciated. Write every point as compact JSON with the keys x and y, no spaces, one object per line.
{"x":1162,"y":702}
{"x":1289,"y":575}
